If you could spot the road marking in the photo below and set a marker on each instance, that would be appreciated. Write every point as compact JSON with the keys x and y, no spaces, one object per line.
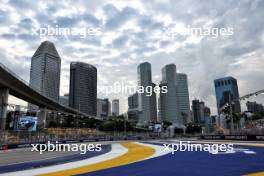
{"x":116,"y":151}
{"x":237,"y":150}
{"x":136,"y":152}
{"x":255,"y":174}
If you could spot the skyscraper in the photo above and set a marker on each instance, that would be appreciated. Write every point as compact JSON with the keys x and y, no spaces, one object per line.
{"x":254,"y":107}
{"x":170,"y":110}
{"x":133,"y":101}
{"x":45,"y":71}
{"x":226,"y":91}
{"x":133,"y":111}
{"x":115,"y":107}
{"x":103,"y":108}
{"x":200,"y":111}
{"x":183,"y":97}
{"x":83,"y":87}
{"x":153,"y":105}
{"x":147,"y":106}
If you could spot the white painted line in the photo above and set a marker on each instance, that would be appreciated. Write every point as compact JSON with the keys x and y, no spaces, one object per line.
{"x":159,"y":150}
{"x":117,"y":150}
{"x":249,"y":152}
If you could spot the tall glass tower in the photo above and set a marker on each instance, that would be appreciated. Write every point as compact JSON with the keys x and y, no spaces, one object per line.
{"x":170,"y":110}
{"x":147,"y":104}
{"x":183,"y":97}
{"x":45,"y":72}
{"x":226,"y":91}
{"x":115,"y":107}
{"x":83,"y":87}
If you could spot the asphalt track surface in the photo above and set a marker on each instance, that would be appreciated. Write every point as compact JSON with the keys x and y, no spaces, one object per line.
{"x":143,"y":159}
{"x":52,"y":161}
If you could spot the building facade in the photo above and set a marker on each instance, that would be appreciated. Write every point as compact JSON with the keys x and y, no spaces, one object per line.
{"x":169,"y":106}
{"x":183,"y":97}
{"x":133,"y":112}
{"x":147,"y":106}
{"x":83,"y":88}
{"x":115,"y":107}
{"x":45,"y":72}
{"x":200,"y":112}
{"x":226,"y":91}
{"x":254,"y":107}
{"x":103,"y":109}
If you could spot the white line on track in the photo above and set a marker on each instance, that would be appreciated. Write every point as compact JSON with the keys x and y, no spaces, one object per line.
{"x":116,"y":151}
{"x":159,"y":150}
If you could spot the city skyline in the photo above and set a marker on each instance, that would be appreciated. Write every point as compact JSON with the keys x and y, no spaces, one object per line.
{"x":131,"y":87}
{"x":181,"y":74}
{"x":130,"y":37}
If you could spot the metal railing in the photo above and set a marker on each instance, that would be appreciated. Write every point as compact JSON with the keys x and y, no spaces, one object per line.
{"x":20,"y":137}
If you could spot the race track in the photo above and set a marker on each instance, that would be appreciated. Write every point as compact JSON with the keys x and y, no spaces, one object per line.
{"x":146,"y":158}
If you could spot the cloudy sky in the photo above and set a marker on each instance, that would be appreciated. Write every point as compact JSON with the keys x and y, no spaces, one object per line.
{"x":133,"y":32}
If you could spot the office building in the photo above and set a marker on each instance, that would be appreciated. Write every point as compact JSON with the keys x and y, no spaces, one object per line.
{"x":196,"y":110}
{"x":147,"y":106}
{"x":103,"y":109}
{"x":133,"y":111}
{"x":45,"y":72}
{"x":207,"y":115}
{"x":115,"y":107}
{"x":169,"y":106}
{"x":201,"y":113}
{"x":83,"y":88}
{"x":133,"y":101}
{"x":254,"y":107}
{"x":183,"y":97}
{"x":226,"y":91}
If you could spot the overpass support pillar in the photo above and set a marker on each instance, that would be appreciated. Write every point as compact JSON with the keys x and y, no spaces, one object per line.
{"x":4,"y":92}
{"x":42,"y":118}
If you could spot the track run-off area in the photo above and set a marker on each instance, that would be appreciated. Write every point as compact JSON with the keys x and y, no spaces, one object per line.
{"x":144,"y":158}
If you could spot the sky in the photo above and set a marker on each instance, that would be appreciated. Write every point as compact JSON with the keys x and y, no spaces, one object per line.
{"x":132,"y":32}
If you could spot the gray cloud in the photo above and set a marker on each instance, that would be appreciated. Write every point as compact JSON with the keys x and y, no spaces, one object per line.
{"x":118,"y":51}
{"x":117,"y":18}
